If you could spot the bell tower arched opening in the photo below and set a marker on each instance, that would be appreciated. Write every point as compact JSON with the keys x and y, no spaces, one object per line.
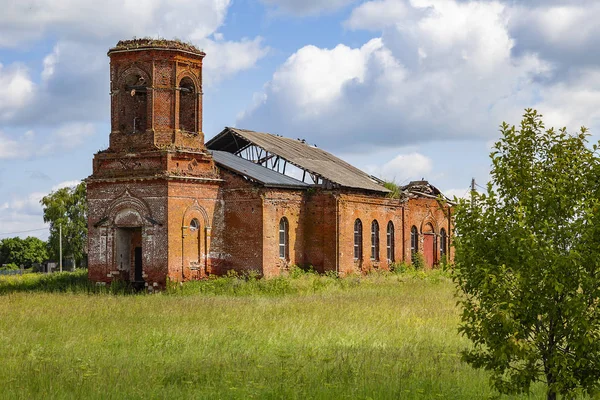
{"x":188,"y":106}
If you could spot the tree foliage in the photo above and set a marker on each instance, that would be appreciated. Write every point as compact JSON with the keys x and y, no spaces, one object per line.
{"x":22,"y":252}
{"x":528,"y":262}
{"x":67,"y":207}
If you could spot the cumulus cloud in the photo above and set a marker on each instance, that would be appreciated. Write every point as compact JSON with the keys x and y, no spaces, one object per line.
{"x":25,"y":20}
{"x":448,"y":74}
{"x":73,"y":84}
{"x":28,"y":145}
{"x":563,"y":33}
{"x":403,"y":168}
{"x":16,"y":89}
{"x":374,"y":15}
{"x":307,"y":7}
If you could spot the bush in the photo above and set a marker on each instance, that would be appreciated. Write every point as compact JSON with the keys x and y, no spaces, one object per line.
{"x":418,"y":261}
{"x":9,"y":267}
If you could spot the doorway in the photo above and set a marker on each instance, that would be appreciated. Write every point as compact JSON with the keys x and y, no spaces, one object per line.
{"x":129,"y":254}
{"x":429,"y":245}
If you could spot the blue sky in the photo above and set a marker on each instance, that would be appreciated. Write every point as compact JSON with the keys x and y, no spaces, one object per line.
{"x":403,"y":89}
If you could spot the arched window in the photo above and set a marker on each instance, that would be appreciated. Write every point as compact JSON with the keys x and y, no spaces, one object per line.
{"x":194,"y":242}
{"x":375,"y":240}
{"x":443,"y":242}
{"x":133,"y":105}
{"x":284,"y":251}
{"x":390,"y":241}
{"x":414,"y":240}
{"x":357,"y":239}
{"x":187,"y":105}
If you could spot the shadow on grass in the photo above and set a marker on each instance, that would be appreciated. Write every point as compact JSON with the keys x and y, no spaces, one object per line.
{"x":61,"y":282}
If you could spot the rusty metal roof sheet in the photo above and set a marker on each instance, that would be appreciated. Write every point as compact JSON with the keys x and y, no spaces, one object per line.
{"x":310,"y":158}
{"x":258,"y":173}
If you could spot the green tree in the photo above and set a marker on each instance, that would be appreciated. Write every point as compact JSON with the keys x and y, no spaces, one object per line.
{"x":67,"y":207}
{"x":528,"y":262}
{"x":25,"y":252}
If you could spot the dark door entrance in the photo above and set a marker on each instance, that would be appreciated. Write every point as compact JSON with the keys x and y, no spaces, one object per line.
{"x":137,"y":261}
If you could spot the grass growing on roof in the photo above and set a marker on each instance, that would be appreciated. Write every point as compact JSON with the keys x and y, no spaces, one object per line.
{"x":304,"y":336}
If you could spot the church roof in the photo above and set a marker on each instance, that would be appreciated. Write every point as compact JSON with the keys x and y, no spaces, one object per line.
{"x":255,"y":172}
{"x":309,"y":158}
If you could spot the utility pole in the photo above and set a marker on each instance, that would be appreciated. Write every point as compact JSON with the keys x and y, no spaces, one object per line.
{"x":472,"y":192}
{"x":60,"y":246}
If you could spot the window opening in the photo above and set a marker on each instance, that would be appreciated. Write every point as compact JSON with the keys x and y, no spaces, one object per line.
{"x":375,"y":240}
{"x":390,"y":241}
{"x":284,"y":238}
{"x":357,"y":239}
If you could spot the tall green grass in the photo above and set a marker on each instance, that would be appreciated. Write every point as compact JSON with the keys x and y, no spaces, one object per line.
{"x":383,"y":336}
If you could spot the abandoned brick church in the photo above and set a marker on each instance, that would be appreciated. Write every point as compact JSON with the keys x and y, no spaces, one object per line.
{"x":163,"y":204}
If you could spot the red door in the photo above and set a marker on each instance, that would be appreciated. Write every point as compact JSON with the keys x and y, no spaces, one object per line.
{"x":429,"y":249}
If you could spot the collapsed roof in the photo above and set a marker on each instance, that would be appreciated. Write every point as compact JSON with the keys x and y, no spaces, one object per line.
{"x":254,"y":172}
{"x":324,"y":168}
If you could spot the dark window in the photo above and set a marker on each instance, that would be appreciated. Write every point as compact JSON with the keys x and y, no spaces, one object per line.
{"x":284,"y":238}
{"x":187,"y":105}
{"x":443,"y":242}
{"x":414,"y":240}
{"x":194,"y":225}
{"x":390,"y":241}
{"x":375,"y":240}
{"x":357,"y":239}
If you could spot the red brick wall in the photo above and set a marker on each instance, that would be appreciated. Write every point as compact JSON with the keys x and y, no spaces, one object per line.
{"x":278,"y":204}
{"x":368,"y":208}
{"x":121,"y":200}
{"x":419,"y":212}
{"x":238,"y":237}
{"x":188,"y":200}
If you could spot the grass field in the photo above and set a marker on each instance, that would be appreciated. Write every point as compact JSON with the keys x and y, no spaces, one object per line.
{"x":377,"y":337}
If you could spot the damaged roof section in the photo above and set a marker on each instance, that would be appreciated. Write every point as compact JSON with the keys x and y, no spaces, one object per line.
{"x":324,"y":168}
{"x":254,"y":172}
{"x":424,"y":189}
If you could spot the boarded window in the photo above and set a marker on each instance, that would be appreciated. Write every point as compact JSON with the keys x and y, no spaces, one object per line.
{"x":284,"y":239}
{"x":390,"y":242}
{"x":357,"y":239}
{"x":187,"y":105}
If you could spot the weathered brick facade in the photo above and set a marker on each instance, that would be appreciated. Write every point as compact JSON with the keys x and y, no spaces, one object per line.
{"x":161,"y":208}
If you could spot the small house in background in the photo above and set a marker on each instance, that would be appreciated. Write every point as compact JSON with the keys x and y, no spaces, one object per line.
{"x":163,"y":204}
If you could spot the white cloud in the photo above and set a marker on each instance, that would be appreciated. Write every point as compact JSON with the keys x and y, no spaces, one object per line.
{"x":403,"y":168}
{"x":73,"y":84}
{"x":65,"y":184}
{"x":22,"y":21}
{"x":218,"y":64}
{"x":374,"y":15}
{"x":307,"y":7}
{"x":448,"y":73}
{"x":16,"y":89}
{"x":65,"y":137}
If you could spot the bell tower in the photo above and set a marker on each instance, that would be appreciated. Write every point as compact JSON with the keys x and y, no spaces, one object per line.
{"x":156,"y":95}
{"x":152,"y":193}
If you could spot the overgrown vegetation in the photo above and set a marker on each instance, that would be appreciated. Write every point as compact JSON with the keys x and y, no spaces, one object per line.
{"x":385,"y":335}
{"x":67,"y":208}
{"x":22,"y":252}
{"x":528,"y":262}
